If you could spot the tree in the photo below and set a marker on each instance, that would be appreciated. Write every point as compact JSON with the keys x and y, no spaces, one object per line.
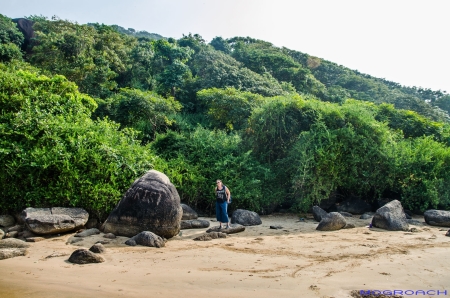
{"x":11,"y":40}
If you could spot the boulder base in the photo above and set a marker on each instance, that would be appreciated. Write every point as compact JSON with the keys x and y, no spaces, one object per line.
{"x":151,"y":204}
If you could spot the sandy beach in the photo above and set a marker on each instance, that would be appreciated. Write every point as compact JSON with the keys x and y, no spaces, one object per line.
{"x":295,"y":261}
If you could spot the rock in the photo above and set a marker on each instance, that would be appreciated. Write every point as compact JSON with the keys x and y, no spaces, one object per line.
{"x":88,"y":232}
{"x":13,"y":243}
{"x":12,"y":234}
{"x":188,"y":212}
{"x":390,"y":217}
{"x":109,"y":236}
{"x":354,"y":206}
{"x":84,"y":256}
{"x":7,"y":253}
{"x":439,"y":218}
{"x":131,"y":242}
{"x":408,"y":212}
{"x":276,"y":227}
{"x":414,"y":222}
{"x":74,"y":240}
{"x":103,"y":242}
{"x":7,"y":220}
{"x":328,"y":203}
{"x":210,"y":236}
{"x":234,"y":228}
{"x":408,"y":216}
{"x":345,"y":214}
{"x":367,"y":215}
{"x":26,"y":27}
{"x":45,"y":221}
{"x":27,"y":234}
{"x":151,"y":204}
{"x":2,"y":234}
{"x":318,"y":213}
{"x":92,"y":223}
{"x":194,"y":224}
{"x":147,"y":238}
{"x":349,"y":226}
{"x":332,"y":222}
{"x":448,"y":233}
{"x":97,"y":248}
{"x":245,"y":218}
{"x":34,"y":239}
{"x":17,"y":228}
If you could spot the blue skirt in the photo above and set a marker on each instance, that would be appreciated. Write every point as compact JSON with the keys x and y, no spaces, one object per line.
{"x":221,"y":212}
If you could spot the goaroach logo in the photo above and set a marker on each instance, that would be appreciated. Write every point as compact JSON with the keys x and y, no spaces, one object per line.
{"x":403,"y":292}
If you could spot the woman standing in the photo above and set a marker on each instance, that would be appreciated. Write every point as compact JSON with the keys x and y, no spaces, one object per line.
{"x":222,"y":200}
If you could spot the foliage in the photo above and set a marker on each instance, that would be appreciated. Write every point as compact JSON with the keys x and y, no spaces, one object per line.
{"x":11,"y":40}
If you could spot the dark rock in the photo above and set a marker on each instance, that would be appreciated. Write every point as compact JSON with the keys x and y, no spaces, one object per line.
{"x":45,"y":221}
{"x":367,"y":215}
{"x":381,"y":202}
{"x":151,"y":204}
{"x":97,"y":248}
{"x":34,"y":239}
{"x":26,"y":27}
{"x":17,"y":228}
{"x":131,"y":242}
{"x":414,"y":222}
{"x":109,"y":236}
{"x":2,"y":234}
{"x":194,"y":224}
{"x":349,"y":226}
{"x":245,"y":218}
{"x":276,"y":227}
{"x":318,"y":213}
{"x":408,"y":212}
{"x":92,"y":223}
{"x":332,"y":222}
{"x":7,"y":253}
{"x":439,"y":218}
{"x":7,"y":220}
{"x":27,"y":234}
{"x":390,"y":217}
{"x":147,"y":238}
{"x":13,"y":243}
{"x":329,"y":203}
{"x":210,"y":236}
{"x":354,"y":206}
{"x":345,"y":214}
{"x":407,"y":216}
{"x":84,"y":256}
{"x":188,"y":212}
{"x":448,"y":233}
{"x":234,"y":228}
{"x":88,"y":232}
{"x":12,"y":234}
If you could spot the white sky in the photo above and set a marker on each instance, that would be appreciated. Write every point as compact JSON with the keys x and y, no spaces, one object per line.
{"x":402,"y":41}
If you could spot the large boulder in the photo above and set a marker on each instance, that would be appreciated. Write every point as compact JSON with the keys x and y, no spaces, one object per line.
{"x":188,"y":212}
{"x":84,"y":256}
{"x":354,"y":206}
{"x":151,"y":204}
{"x":194,"y":224}
{"x":318,"y":213}
{"x":391,"y":217}
{"x":332,"y":222}
{"x":7,"y":220}
{"x":56,"y":220}
{"x":437,"y":218}
{"x":146,"y":238}
{"x":245,"y":218}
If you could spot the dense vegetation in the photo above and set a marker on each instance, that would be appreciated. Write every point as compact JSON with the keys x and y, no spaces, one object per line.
{"x":89,"y":108}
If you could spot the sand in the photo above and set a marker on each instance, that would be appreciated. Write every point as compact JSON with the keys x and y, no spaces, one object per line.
{"x":296,"y":261}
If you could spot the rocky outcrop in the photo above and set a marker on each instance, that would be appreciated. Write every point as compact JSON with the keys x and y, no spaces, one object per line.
{"x":439,"y":218}
{"x":10,"y":248}
{"x":318,"y":213}
{"x":46,"y":221}
{"x":7,"y":220}
{"x":88,"y":232}
{"x":234,"y":228}
{"x":332,"y":222}
{"x":151,"y":204}
{"x":146,"y":238}
{"x":97,"y":248}
{"x":188,"y":212}
{"x":354,"y":206}
{"x":210,"y":236}
{"x":84,"y":256}
{"x":26,"y":27}
{"x":194,"y":224}
{"x":245,"y":218}
{"x":390,"y":217}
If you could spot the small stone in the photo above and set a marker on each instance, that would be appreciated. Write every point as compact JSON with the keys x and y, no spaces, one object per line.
{"x":109,"y":236}
{"x":12,"y":234}
{"x":84,"y":256}
{"x":448,"y":233}
{"x":276,"y":227}
{"x":34,"y":239}
{"x":103,"y":242}
{"x":97,"y":248}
